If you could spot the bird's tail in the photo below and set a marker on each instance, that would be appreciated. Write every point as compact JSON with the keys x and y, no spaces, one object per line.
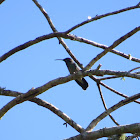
{"x":83,"y":83}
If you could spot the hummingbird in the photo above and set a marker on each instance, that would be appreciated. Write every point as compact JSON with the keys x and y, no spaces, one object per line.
{"x":72,"y":67}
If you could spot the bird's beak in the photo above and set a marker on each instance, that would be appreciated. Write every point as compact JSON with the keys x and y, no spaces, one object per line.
{"x":59,"y":59}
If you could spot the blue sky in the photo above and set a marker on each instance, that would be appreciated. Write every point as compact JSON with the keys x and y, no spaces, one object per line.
{"x":22,"y":21}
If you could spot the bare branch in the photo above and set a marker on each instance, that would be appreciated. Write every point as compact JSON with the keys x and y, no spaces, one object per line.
{"x":113,"y":90}
{"x":109,"y":88}
{"x":61,"y":41}
{"x":106,"y":132}
{"x":102,"y":98}
{"x":39,"y":39}
{"x":83,"y":40}
{"x":59,"y":35}
{"x":30,"y":95}
{"x":47,"y":105}
{"x":134,"y":69}
{"x":111,"y":109}
{"x":115,"y":44}
{"x":1,"y":1}
{"x":102,"y":16}
{"x":109,"y":72}
{"x":29,"y":43}
{"x":118,"y":77}
{"x":34,"y":92}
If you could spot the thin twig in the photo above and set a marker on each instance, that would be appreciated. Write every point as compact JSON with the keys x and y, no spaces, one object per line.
{"x":107,"y":78}
{"x":111,"y":109}
{"x":104,"y":104}
{"x":115,"y":44}
{"x":134,"y":69}
{"x":112,"y":77}
{"x":111,"y":89}
{"x":118,"y":93}
{"x":102,"y":16}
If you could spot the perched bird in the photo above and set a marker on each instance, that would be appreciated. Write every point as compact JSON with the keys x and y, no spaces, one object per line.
{"x":72,"y":67}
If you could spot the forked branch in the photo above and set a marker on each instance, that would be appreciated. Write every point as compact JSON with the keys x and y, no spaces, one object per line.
{"x":47,"y":105}
{"x":111,"y":109}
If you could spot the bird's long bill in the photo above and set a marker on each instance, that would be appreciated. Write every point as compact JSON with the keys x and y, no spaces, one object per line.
{"x":59,"y":59}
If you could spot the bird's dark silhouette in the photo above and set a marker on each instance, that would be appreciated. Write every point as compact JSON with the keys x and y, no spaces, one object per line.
{"x":72,"y":67}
